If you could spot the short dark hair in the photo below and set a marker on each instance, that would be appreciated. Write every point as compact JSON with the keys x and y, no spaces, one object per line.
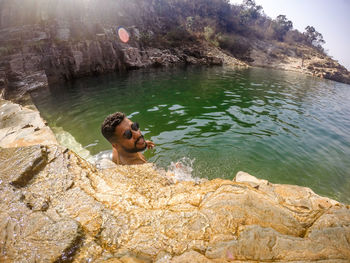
{"x":109,"y":124}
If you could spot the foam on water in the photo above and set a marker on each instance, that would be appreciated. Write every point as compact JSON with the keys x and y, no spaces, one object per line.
{"x":182,"y":170}
{"x":108,"y":154}
{"x":103,"y":159}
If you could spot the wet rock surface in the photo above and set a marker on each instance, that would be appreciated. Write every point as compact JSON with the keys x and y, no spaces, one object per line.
{"x":22,"y":126}
{"x":27,"y":232}
{"x":70,"y":211}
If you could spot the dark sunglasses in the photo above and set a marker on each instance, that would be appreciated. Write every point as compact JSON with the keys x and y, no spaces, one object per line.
{"x":128,"y":133}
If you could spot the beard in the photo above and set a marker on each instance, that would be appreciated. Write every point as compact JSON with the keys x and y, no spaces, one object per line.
{"x":135,"y":149}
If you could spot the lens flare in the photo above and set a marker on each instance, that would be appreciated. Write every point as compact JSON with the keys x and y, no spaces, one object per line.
{"x":123,"y":34}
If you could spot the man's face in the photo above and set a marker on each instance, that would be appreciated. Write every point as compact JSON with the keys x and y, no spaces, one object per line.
{"x":130,"y":137}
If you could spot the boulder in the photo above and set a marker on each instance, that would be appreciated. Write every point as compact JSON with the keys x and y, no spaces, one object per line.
{"x":136,"y":214}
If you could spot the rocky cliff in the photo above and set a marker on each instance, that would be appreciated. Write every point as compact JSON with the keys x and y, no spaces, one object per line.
{"x":61,"y":41}
{"x":298,"y":58}
{"x":43,"y":61}
{"x":64,"y":40}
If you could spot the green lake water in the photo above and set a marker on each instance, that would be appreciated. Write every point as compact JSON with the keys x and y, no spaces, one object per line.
{"x":280,"y":126}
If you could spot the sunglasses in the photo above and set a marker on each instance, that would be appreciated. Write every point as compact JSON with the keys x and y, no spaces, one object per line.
{"x":128,"y":133}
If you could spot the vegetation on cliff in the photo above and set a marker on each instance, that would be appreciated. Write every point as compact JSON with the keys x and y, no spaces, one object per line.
{"x":242,"y":31}
{"x":164,"y":22}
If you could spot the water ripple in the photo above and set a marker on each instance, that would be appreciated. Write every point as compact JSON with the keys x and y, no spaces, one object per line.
{"x":281,"y":126}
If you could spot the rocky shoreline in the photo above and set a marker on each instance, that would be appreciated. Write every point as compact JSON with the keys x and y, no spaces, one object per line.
{"x":40,"y":55}
{"x":38,"y":61}
{"x":298,"y":58}
{"x":57,"y":207}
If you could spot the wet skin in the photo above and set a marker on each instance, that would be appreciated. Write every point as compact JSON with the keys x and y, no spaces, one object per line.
{"x":127,"y":150}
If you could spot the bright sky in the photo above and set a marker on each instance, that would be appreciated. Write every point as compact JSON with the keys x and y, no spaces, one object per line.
{"x":329,"y":17}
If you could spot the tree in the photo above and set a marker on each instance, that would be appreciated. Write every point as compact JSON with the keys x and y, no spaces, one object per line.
{"x":255,"y":10}
{"x":281,"y":26}
{"x":313,"y":37}
{"x":250,"y":12}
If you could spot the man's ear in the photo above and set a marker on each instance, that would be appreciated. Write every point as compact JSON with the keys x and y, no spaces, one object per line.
{"x":114,"y":142}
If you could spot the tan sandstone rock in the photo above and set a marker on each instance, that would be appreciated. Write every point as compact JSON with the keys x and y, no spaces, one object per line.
{"x":68,"y":209}
{"x":57,"y":207}
{"x":22,"y":126}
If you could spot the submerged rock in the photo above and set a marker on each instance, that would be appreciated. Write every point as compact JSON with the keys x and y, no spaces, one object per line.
{"x":69,"y":210}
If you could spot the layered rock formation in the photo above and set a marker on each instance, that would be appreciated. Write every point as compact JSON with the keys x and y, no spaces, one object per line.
{"x":64,"y":40}
{"x":56,"y":207}
{"x":43,"y":56}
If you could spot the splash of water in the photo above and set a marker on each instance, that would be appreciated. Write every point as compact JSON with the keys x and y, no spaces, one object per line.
{"x":103,"y":160}
{"x":182,"y":170}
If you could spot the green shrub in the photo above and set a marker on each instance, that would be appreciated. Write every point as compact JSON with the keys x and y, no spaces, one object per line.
{"x":238,"y":47}
{"x":179,"y":35}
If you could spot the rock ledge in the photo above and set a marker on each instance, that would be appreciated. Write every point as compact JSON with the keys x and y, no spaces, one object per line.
{"x":67,"y":210}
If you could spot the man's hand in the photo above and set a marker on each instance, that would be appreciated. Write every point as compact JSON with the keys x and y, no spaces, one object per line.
{"x":150,"y":144}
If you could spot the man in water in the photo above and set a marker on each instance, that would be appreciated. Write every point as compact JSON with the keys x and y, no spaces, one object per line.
{"x":126,"y":139}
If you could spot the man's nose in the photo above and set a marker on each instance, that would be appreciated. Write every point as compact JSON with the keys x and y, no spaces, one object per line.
{"x":136,"y":134}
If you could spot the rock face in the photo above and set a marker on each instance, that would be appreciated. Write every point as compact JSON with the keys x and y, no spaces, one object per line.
{"x":71,"y":39}
{"x":57,"y":207}
{"x":22,"y":126}
{"x":298,"y":58}
{"x":42,"y":57}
